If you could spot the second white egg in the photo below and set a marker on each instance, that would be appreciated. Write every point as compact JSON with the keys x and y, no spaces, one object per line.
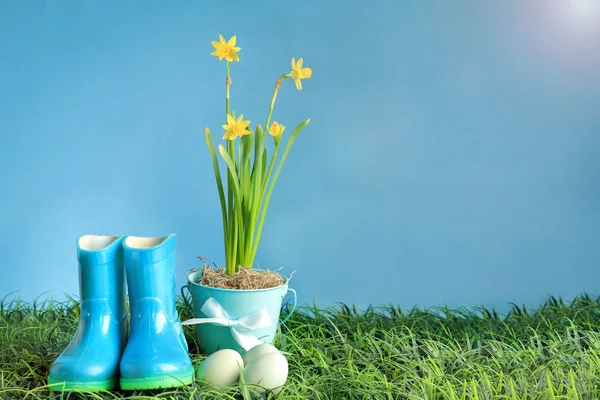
{"x":269,"y":371}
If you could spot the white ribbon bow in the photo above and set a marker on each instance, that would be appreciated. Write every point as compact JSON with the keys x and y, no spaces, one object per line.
{"x":240,"y":328}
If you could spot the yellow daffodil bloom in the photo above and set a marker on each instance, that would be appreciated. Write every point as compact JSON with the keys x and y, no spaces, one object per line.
{"x":299,"y":73}
{"x":226,"y":50}
{"x":235,"y":128}
{"x":276,"y":130}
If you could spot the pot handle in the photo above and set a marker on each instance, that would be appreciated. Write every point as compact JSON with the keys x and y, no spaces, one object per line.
{"x":185,"y":298}
{"x":293,"y":307}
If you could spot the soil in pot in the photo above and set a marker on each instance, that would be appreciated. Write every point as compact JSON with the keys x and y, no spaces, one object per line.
{"x":244,"y":279}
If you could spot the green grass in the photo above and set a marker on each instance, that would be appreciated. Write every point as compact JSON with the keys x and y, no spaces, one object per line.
{"x":381,"y":353}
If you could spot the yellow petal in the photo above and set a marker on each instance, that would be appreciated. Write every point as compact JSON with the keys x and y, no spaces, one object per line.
{"x":230,"y":119}
{"x":232,"y":41}
{"x":307,"y":72}
{"x":229,"y":135}
{"x":215,"y":44}
{"x":298,"y":83}
{"x":276,"y":129}
{"x":293,"y":63}
{"x":222,"y":39}
{"x":299,"y":64}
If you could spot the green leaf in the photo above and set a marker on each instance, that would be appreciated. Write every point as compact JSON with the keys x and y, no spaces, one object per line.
{"x":268,"y":198}
{"x":236,"y":194}
{"x":247,"y":200}
{"x":258,"y":162}
{"x":264,"y":165}
{"x":255,"y":193}
{"x":232,"y":246}
{"x":215,"y":162}
{"x":245,"y":170}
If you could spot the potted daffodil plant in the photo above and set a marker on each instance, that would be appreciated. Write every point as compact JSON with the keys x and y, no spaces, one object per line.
{"x":238,"y":307}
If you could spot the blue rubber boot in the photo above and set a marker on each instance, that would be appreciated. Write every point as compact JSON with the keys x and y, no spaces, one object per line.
{"x":156,"y":355}
{"x":91,"y":361}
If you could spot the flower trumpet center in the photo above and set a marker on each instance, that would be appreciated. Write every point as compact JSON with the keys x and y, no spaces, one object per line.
{"x":223,"y":51}
{"x":238,"y":129}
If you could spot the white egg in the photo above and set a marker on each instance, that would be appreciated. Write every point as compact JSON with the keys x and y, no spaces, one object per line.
{"x":257,"y":351}
{"x":222,"y":368}
{"x":269,"y":371}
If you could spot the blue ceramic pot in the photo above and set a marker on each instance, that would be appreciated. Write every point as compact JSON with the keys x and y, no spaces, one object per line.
{"x":235,"y":304}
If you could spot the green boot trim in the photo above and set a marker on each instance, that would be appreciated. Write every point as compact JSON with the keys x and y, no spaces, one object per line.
{"x":160,"y":382}
{"x":94,"y":386}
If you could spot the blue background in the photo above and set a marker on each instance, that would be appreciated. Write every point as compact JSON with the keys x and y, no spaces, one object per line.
{"x":452,"y":155}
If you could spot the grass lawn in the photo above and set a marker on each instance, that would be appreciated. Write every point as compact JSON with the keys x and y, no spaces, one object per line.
{"x":339,"y":353}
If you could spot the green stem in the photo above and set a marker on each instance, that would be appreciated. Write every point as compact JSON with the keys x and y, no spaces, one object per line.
{"x":230,"y":250}
{"x":255,"y":211}
{"x":252,"y":188}
{"x":237,"y":223}
{"x":258,"y":190}
{"x":275,"y":92}
{"x":227,"y":85}
{"x":246,"y":203}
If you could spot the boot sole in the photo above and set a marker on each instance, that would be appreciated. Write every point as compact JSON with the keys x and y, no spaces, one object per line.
{"x":95,"y":386}
{"x":161,"y":382}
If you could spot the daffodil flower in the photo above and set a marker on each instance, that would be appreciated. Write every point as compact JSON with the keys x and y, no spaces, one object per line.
{"x":298,"y":73}
{"x":276,"y":130}
{"x":226,"y":50}
{"x":236,"y":127}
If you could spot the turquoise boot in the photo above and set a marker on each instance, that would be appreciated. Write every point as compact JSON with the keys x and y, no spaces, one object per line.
{"x":156,"y":355}
{"x":91,"y":361}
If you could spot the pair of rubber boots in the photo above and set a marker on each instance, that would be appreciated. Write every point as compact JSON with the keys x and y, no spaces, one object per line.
{"x":150,"y":351}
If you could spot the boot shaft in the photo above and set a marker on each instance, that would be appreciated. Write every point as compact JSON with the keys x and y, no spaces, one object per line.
{"x":101,"y":271}
{"x":150,"y":269}
{"x":91,"y":360}
{"x":156,"y":355}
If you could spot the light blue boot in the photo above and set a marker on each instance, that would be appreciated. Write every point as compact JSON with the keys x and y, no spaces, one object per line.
{"x":91,"y":361}
{"x":156,"y":355}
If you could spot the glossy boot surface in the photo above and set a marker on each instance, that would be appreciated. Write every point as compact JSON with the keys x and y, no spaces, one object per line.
{"x":156,"y":355}
{"x":91,"y":360}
